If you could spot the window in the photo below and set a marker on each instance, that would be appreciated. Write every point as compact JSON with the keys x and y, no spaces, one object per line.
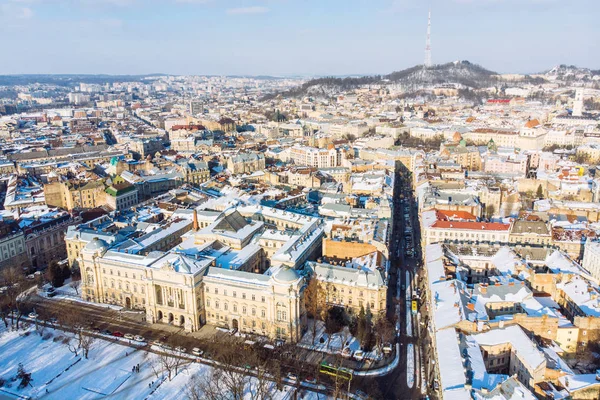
{"x":254,"y":312}
{"x":207,"y":303}
{"x":244,"y":310}
{"x":281,"y":315}
{"x":263,"y":313}
{"x":216,"y":291}
{"x":217,"y":304}
{"x":243,"y":295}
{"x":207,"y":289}
{"x":234,"y":293}
{"x":235,"y":308}
{"x":253,"y":297}
{"x":263,"y":299}
{"x":226,"y":306}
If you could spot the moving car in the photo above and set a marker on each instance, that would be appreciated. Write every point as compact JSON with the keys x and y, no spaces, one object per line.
{"x":117,"y":334}
{"x":139,"y":338}
{"x":128,"y":336}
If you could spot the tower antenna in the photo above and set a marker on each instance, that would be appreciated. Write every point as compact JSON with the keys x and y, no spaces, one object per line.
{"x":428,"y":43}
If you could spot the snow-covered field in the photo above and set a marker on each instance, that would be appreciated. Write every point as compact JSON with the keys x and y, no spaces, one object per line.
{"x":58,"y":374}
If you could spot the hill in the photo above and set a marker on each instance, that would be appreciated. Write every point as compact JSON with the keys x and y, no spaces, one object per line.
{"x":415,"y":78}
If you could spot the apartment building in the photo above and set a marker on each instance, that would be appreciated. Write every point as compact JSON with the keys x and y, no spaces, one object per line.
{"x":314,"y":157}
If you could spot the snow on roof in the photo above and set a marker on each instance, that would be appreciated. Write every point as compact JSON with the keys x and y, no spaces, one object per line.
{"x":450,"y":362}
{"x":428,"y":218}
{"x":510,"y":389}
{"x":525,"y":349}
{"x":234,"y":259}
{"x":560,"y":263}
{"x":506,"y":261}
{"x":583,"y":294}
{"x":575,"y":383}
{"x":534,"y":308}
{"x":451,"y":304}
{"x":481,"y":379}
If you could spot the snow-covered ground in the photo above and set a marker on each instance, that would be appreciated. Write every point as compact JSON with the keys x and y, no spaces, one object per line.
{"x":58,"y":374}
{"x":338,"y":342}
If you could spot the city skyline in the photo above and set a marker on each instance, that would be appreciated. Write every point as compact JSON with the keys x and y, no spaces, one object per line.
{"x":203,"y":37}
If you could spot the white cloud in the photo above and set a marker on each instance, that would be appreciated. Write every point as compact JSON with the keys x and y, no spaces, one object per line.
{"x":248,"y":10}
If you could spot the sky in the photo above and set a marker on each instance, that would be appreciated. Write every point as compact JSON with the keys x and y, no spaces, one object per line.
{"x":292,"y":37}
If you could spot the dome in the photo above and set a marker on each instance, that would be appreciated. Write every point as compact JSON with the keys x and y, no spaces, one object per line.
{"x":286,"y":275}
{"x":96,"y":245}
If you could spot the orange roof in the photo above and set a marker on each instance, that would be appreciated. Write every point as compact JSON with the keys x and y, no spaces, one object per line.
{"x":445,"y":215}
{"x":532,"y":124}
{"x":471,"y":226}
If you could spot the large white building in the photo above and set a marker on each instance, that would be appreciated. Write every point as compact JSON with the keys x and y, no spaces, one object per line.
{"x":314,"y":157}
{"x":239,"y":271}
{"x":591,"y":258}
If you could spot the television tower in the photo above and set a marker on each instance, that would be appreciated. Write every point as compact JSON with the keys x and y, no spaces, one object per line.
{"x":428,"y":43}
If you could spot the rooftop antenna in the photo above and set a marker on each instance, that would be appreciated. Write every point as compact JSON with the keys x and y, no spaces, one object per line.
{"x":428,"y":43}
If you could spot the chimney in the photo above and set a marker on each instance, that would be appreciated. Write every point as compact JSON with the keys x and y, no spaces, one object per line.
{"x":195,"y":227}
{"x":483,"y":289}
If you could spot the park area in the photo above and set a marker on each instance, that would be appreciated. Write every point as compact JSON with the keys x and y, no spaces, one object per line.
{"x":46,"y":363}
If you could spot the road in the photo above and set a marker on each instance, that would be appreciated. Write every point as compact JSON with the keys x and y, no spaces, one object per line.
{"x":410,"y":380}
{"x":404,"y":381}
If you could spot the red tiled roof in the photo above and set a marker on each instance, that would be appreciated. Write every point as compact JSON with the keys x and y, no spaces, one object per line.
{"x":472,"y":226}
{"x":498,"y":101}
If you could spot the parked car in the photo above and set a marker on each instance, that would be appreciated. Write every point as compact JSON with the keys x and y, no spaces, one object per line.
{"x":310,"y":379}
{"x":128,"y":336}
{"x":387,"y":348}
{"x":180,"y":349}
{"x":139,"y":338}
{"x":197,"y":352}
{"x":32,"y":315}
{"x":117,"y":334}
{"x":359,"y":355}
{"x":292,"y":377}
{"x":347,"y":352}
{"x":107,"y":332}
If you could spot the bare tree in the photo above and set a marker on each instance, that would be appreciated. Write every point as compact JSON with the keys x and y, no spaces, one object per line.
{"x":241,"y":372}
{"x":75,"y":321}
{"x":314,"y":303}
{"x":14,"y":281}
{"x":169,"y":363}
{"x":75,"y":283}
{"x":384,"y":332}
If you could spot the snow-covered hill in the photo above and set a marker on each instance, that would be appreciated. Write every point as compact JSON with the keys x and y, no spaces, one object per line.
{"x":461,"y":73}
